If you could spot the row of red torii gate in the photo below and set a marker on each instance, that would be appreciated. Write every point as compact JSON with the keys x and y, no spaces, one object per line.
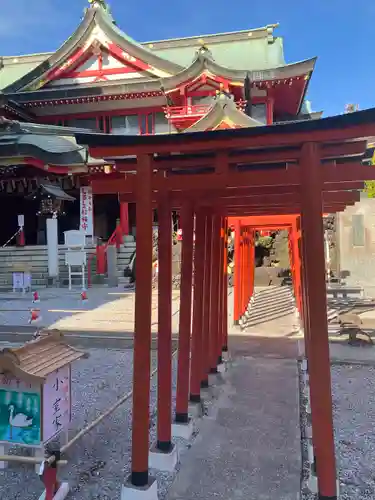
{"x":280,"y":176}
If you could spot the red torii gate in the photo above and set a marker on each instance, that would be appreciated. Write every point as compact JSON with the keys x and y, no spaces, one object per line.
{"x":303,"y":168}
{"x":244,"y":254}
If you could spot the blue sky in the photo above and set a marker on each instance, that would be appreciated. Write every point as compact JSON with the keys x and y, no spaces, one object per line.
{"x":340,"y":32}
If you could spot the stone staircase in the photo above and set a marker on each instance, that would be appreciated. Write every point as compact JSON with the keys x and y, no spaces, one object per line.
{"x":275,"y":302}
{"x":269,"y":303}
{"x":124,"y":255}
{"x":35,"y":259}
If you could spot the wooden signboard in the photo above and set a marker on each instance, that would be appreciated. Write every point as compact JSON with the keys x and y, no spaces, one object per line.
{"x":35,"y":390}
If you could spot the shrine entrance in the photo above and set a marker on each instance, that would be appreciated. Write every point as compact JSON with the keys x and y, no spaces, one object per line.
{"x":290,"y":175}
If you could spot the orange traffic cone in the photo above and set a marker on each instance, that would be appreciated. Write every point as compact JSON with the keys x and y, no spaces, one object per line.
{"x":34,"y":316}
{"x":36,"y":297}
{"x":84,"y":296}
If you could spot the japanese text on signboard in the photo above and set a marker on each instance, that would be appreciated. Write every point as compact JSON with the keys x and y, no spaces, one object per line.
{"x":86,"y":210}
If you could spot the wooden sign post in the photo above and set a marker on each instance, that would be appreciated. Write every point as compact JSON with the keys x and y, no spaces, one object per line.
{"x":35,"y":396}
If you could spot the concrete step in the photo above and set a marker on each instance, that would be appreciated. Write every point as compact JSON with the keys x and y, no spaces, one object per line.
{"x":265,"y":299}
{"x":266,"y":304}
{"x":269,"y":316}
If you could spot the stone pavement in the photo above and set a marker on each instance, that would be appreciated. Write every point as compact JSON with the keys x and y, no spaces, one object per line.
{"x":107,"y":310}
{"x":249,"y":446}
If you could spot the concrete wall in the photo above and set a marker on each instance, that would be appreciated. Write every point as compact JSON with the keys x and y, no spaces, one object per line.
{"x":358,"y":260}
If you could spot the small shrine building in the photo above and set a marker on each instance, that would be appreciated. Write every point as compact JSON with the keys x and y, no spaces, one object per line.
{"x":102,"y":80}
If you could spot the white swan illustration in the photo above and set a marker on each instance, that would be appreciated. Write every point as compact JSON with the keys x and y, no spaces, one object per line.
{"x":19,"y":420}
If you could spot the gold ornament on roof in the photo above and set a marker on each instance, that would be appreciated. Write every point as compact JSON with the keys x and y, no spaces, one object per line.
{"x":99,"y":3}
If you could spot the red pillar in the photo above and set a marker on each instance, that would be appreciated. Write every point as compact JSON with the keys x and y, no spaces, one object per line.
{"x":197,"y":334}
{"x":164,"y":423}
{"x":318,"y":361}
{"x":251,"y":264}
{"x":237,"y":273}
{"x":220,"y":291}
{"x":225,"y":290}
{"x":295,"y":263}
{"x":142,"y":328}
{"x":297,"y":247}
{"x":124,"y":217}
{"x":182,"y":392}
{"x":214,"y":293}
{"x":248,"y":277}
{"x":241,"y":272}
{"x":220,"y":295}
{"x":305,"y":291}
{"x":292,"y":260}
{"x":244,"y":271}
{"x":207,"y":303}
{"x":298,"y":270}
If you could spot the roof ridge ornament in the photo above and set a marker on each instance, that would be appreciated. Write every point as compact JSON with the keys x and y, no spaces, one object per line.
{"x":102,"y":4}
{"x":94,"y":4}
{"x":204,"y":52}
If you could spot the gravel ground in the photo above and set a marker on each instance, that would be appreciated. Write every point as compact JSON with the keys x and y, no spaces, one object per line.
{"x":354,"y":413}
{"x":99,"y":462}
{"x":353,"y":390}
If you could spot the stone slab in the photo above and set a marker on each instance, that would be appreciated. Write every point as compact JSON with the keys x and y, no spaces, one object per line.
{"x":250,"y":447}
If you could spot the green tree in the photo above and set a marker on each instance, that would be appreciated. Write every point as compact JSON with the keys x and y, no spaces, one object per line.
{"x":370,"y":189}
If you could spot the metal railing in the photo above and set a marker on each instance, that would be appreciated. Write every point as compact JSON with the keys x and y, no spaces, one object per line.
{"x":188,"y":110}
{"x":12,"y":237}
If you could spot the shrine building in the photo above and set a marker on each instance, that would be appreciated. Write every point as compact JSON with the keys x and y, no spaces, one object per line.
{"x":102,"y":80}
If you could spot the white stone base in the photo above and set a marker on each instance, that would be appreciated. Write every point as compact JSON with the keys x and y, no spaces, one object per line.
{"x":195,"y":410}
{"x":212,"y":379}
{"x":61,"y":493}
{"x":308,"y":432}
{"x":307,"y":392}
{"x":184,"y":431}
{"x":149,"y":492}
{"x":163,"y":461}
{"x":225,"y":356}
{"x":312,"y":483}
{"x":310,"y":452}
{"x":304,"y":365}
{"x":206,"y":393}
{"x":222,"y":368}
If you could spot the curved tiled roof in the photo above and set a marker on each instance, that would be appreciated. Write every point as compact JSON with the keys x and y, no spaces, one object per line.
{"x":94,"y":16}
{"x":35,"y":360}
{"x":223,"y":109}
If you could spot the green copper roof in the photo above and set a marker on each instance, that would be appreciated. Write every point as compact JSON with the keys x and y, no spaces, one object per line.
{"x":250,"y":50}
{"x":12,"y":71}
{"x":245,"y":54}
